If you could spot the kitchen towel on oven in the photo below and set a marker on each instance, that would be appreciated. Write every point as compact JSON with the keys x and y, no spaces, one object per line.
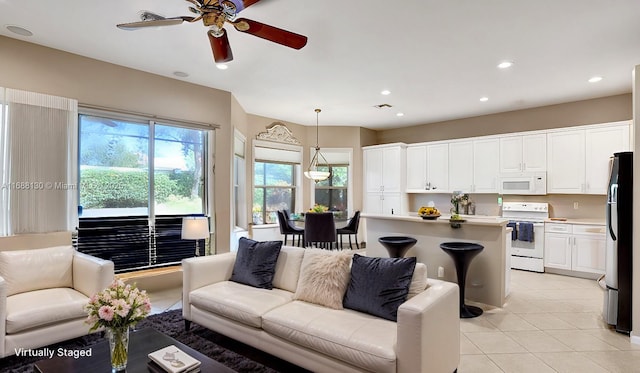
{"x":514,"y":234}
{"x":525,"y":231}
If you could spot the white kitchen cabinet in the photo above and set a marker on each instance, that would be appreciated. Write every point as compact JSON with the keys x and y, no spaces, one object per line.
{"x":566,"y":156}
{"x":473,"y":165}
{"x":523,"y":153}
{"x":384,"y":203}
{"x":486,"y":164}
{"x":416,"y":167}
{"x":384,"y":175}
{"x":438,"y":166}
{"x":461,"y":166}
{"x":589,"y":248}
{"x":588,"y":254}
{"x":557,"y":251}
{"x":578,"y":160}
{"x":384,"y":168}
{"x":575,"y":247}
{"x":600,"y":144}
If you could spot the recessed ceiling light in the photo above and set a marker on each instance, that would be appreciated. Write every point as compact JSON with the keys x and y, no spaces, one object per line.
{"x":595,"y":79}
{"x":400,"y":114}
{"x":180,"y":74}
{"x":222,"y":66}
{"x":505,"y":64}
{"x":386,"y":92}
{"x":19,"y":30}
{"x":484,"y":99}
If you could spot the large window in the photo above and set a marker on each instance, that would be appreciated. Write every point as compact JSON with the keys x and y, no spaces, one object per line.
{"x":137,"y":180}
{"x":333,"y":192}
{"x":274,"y":189}
{"x":276,"y":175}
{"x":115,"y":177}
{"x":337,"y":191}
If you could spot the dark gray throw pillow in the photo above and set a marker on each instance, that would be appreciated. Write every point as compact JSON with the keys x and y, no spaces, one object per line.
{"x":378,"y":286}
{"x":256,"y":262}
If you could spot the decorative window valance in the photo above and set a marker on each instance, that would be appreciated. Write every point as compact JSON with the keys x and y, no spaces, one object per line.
{"x":278,"y":132}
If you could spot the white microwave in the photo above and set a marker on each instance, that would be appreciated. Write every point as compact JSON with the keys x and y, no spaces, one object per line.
{"x":523,"y":183}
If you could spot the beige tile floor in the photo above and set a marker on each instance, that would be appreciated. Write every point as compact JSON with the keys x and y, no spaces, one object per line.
{"x":165,"y":299}
{"x":550,"y":323}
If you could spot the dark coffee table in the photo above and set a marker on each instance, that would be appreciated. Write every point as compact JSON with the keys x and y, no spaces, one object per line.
{"x":141,"y":343}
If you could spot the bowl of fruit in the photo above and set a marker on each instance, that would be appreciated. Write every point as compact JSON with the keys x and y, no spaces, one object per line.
{"x":429,"y":213}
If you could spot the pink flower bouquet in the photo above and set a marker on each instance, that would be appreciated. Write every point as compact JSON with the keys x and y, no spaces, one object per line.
{"x":117,"y":306}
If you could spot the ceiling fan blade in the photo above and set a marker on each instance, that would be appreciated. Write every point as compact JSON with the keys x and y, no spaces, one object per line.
{"x":154,"y":23}
{"x":271,"y":33}
{"x":220,"y":47}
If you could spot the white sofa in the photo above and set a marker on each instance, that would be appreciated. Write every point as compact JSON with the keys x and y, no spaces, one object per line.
{"x":43,"y":293}
{"x":426,"y":337}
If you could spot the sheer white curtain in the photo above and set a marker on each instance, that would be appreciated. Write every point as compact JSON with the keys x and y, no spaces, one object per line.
{"x":39,"y":157}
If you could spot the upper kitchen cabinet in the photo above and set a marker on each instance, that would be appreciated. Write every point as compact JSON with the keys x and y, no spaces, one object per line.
{"x":523,"y":153}
{"x":461,"y":166}
{"x":384,"y":175}
{"x":473,"y":165}
{"x":383,"y":168}
{"x":416,"y":168}
{"x":428,"y":168}
{"x":486,"y":161}
{"x":600,"y":145}
{"x":578,"y":159}
{"x":438,"y":167}
{"x":566,"y":155}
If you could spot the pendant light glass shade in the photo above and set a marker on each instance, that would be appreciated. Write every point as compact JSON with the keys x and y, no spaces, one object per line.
{"x":312,"y":171}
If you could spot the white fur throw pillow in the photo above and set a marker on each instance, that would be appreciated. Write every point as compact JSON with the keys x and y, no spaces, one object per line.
{"x":324,"y":277}
{"x":418,"y":281}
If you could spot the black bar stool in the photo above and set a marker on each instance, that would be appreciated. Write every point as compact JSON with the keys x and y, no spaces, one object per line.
{"x":397,"y":246}
{"x":462,"y":253}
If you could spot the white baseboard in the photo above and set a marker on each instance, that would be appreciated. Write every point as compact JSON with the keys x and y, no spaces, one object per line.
{"x":635,"y":339}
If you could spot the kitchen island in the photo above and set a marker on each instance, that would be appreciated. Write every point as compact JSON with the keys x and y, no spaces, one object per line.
{"x":487,"y":278}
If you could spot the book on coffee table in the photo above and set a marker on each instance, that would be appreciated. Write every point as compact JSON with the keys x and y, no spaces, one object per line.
{"x":174,"y":360}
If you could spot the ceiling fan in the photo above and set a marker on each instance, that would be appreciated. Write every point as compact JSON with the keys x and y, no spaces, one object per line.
{"x":214,"y":14}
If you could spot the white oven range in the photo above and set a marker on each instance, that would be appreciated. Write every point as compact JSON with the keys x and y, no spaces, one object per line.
{"x":527,"y":253}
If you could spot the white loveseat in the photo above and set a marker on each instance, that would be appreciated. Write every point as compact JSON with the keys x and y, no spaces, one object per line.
{"x":43,"y":293}
{"x":426,"y":337}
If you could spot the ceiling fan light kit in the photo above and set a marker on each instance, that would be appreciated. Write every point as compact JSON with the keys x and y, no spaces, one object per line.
{"x":214,"y":14}
{"x":313,"y":172}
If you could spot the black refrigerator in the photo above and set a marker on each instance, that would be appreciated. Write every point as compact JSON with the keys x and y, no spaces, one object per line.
{"x":619,"y":263}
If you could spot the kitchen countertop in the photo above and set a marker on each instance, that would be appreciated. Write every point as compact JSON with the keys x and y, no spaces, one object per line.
{"x":578,"y":221}
{"x":443,"y":219}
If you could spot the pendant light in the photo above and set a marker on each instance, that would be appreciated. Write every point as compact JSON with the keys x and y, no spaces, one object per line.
{"x":312,"y":171}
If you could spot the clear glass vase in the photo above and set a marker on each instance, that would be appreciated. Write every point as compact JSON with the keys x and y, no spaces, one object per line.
{"x":119,"y":347}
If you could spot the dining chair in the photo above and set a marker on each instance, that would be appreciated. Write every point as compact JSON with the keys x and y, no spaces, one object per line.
{"x":320,"y":230}
{"x":286,"y":228}
{"x":350,"y":229}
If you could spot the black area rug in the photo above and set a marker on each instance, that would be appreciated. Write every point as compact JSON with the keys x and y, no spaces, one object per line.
{"x":235,"y":355}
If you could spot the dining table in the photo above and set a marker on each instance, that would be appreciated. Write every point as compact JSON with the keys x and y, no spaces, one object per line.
{"x":298,"y":220}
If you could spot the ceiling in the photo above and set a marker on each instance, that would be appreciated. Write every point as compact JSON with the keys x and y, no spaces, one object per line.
{"x":438,"y":58}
